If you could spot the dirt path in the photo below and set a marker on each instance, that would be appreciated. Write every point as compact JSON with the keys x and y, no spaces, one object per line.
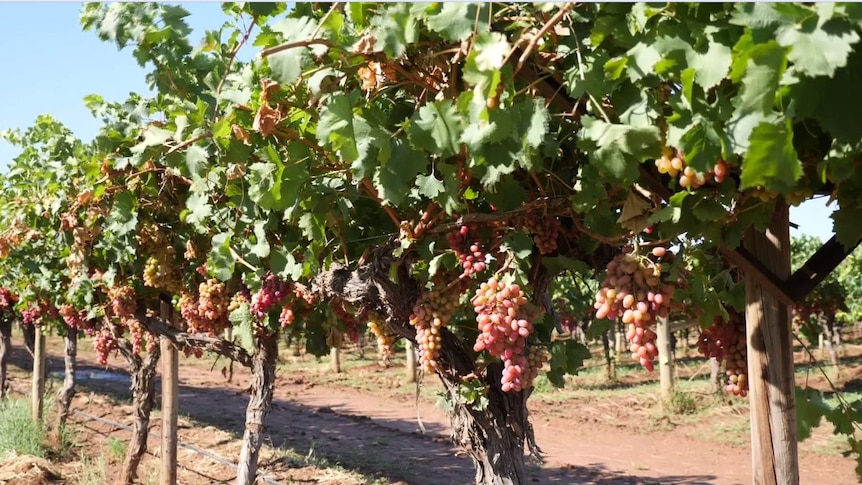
{"x":380,"y":434}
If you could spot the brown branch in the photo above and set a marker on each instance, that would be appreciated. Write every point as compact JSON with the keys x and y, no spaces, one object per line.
{"x":290,"y":45}
{"x":216,"y":345}
{"x":372,"y":192}
{"x":547,"y":203}
{"x":189,"y":143}
{"x":541,"y":33}
{"x":233,"y":53}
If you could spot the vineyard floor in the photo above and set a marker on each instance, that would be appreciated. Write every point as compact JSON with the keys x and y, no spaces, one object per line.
{"x":360,"y":426}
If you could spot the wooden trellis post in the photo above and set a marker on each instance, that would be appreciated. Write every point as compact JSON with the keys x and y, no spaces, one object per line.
{"x":39,"y":361}
{"x":170,"y":402}
{"x":772,"y":393}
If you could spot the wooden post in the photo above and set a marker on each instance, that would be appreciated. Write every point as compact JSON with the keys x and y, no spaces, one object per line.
{"x":38,"y":392}
{"x":619,"y":343}
{"x":665,"y":357}
{"x":170,"y":402}
{"x":335,"y":359}
{"x":772,"y":396}
{"x":715,"y":376}
{"x":411,"y":361}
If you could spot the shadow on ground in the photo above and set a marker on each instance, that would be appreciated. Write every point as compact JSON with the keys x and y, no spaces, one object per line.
{"x":390,"y":449}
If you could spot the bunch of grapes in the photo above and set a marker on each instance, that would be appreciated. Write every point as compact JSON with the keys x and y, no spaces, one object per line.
{"x":430,"y":315}
{"x":7,"y":298}
{"x":287,"y":316}
{"x":725,"y":341}
{"x":537,"y":356}
{"x":237,"y":300}
{"x":272,"y":291}
{"x":634,"y":291}
{"x":208,"y":313}
{"x":350,"y":321}
{"x":385,"y":338}
{"x":545,"y":230}
{"x":123,"y":301}
{"x":673,"y":164}
{"x":31,"y":314}
{"x":158,"y":274}
{"x":75,"y":319}
{"x":136,"y":331}
{"x":104,"y":343}
{"x":500,"y":315}
{"x":470,"y":254}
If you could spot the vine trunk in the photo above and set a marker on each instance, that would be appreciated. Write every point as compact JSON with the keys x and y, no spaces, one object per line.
{"x":5,"y":348}
{"x":259,"y":405}
{"x":67,"y":392}
{"x":143,"y":372}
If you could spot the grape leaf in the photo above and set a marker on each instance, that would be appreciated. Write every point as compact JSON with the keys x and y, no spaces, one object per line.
{"x":810,"y":409}
{"x":766,"y":64}
{"x":771,"y":160}
{"x":456,"y":20}
{"x":620,"y":148}
{"x":437,"y":128}
{"x":123,"y":218}
{"x":220,"y":262}
{"x":702,"y":146}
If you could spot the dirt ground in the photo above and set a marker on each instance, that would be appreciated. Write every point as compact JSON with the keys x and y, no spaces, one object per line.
{"x":361,"y":426}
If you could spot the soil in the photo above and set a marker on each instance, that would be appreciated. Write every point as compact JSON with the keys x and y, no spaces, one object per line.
{"x":376,"y":432}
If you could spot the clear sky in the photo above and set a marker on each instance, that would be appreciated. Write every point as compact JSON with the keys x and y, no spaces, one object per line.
{"x":50,"y":64}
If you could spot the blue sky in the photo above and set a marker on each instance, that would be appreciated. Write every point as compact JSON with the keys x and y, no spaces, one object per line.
{"x":54,"y":65}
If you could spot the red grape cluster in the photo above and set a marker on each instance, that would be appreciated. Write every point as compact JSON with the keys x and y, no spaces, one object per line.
{"x":633,"y":290}
{"x":430,"y":315}
{"x":76,"y":319}
{"x":272,"y":292}
{"x":500,"y":316}
{"x":7,"y":298}
{"x":545,"y":230}
{"x":349,"y":321}
{"x":673,"y":164}
{"x":123,"y":301}
{"x":385,"y":339}
{"x":31,"y":314}
{"x":725,"y":341}
{"x":104,"y":343}
{"x":287,"y":317}
{"x":208,"y":313}
{"x":470,"y":254}
{"x":136,"y":332}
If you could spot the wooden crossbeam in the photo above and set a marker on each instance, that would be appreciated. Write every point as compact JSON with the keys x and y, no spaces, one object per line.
{"x":820,"y":265}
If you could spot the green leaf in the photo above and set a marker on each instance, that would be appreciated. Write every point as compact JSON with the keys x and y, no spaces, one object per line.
{"x":771,"y":160}
{"x":394,"y":179}
{"x":845,"y":224}
{"x":456,"y":20}
{"x":395,"y":29}
{"x":815,"y":50}
{"x":336,"y":126}
{"x":123,"y":217}
{"x":810,"y":409}
{"x":537,"y":124}
{"x":766,"y":64}
{"x":264,"y":184}
{"x":429,"y":186}
{"x":199,"y":208}
{"x":243,"y":321}
{"x":643,"y":57}
{"x":197,"y":161}
{"x":261,"y":247}
{"x":702,"y":146}
{"x":220,"y":262}
{"x":284,"y":264}
{"x":620,"y":148}
{"x":559,"y":264}
{"x":708,"y":209}
{"x":286,"y":66}
{"x":437,"y":128}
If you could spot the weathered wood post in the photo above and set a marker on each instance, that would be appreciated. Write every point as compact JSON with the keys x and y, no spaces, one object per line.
{"x":170,"y":402}
{"x":770,"y":359}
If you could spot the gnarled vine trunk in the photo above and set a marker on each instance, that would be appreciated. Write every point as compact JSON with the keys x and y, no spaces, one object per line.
{"x":5,"y":348}
{"x":67,"y":392}
{"x":494,"y":436}
{"x":259,"y":405}
{"x":143,"y":373}
{"x":29,"y":332}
